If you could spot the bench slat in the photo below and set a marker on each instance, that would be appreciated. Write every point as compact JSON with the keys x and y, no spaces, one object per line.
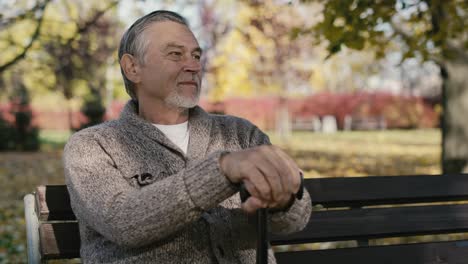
{"x":59,"y":240}
{"x":334,"y":225}
{"x":53,"y":203}
{"x":374,"y":190}
{"x":427,"y":253}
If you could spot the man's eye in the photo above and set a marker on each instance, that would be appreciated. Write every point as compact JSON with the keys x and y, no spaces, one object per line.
{"x":196,"y":56}
{"x":176,"y":54}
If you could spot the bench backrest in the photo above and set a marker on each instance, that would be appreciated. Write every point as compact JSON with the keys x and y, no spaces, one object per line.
{"x":367,"y":208}
{"x":354,"y":208}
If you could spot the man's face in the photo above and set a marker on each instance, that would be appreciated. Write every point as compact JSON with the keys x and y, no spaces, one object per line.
{"x":171,"y":69}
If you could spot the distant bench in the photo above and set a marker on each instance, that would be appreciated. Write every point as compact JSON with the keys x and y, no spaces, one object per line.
{"x":365,"y":123}
{"x":329,"y":123}
{"x":353,"y":208}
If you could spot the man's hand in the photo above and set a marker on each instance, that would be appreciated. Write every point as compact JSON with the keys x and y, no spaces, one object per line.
{"x":269,"y":175}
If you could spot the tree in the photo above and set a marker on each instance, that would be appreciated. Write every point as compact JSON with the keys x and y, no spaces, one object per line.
{"x":36,"y":13}
{"x":428,"y":30}
{"x":19,"y":131}
{"x":81,"y":60}
{"x":69,"y":46}
{"x":254,"y":53}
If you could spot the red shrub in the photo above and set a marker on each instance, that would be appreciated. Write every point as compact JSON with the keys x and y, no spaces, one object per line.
{"x":398,"y":111}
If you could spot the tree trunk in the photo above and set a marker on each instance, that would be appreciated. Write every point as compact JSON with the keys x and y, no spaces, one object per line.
{"x":455,"y":115}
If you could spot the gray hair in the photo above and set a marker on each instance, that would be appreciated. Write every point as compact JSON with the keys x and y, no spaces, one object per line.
{"x":134,"y":42}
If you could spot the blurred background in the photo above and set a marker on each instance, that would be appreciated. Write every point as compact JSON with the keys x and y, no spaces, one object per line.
{"x":347,"y":87}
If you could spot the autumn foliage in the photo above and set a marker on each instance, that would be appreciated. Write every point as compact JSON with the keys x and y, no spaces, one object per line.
{"x":399,"y":112}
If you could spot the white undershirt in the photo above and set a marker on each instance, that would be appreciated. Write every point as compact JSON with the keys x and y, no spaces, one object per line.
{"x":178,"y":134}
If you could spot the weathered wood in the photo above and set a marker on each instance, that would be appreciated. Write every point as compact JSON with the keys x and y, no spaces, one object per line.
{"x":375,"y":190}
{"x":357,"y":224}
{"x":59,"y":240}
{"x":424,"y":253}
{"x":53,"y":203}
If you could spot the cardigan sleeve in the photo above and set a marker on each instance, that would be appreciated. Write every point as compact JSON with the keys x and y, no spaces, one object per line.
{"x":105,"y":201}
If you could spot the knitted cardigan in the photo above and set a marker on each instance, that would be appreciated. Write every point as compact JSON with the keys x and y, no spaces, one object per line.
{"x":139,"y":199}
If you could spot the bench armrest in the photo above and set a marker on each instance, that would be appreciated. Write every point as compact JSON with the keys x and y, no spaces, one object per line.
{"x":32,"y":229}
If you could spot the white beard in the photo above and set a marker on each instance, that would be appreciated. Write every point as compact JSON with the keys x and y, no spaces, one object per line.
{"x":177,"y":100}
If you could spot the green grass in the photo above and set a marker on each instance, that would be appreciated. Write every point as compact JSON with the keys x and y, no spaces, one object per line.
{"x":53,"y":139}
{"x":375,"y":142}
{"x":359,"y":153}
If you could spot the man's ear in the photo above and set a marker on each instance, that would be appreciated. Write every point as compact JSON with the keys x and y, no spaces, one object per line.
{"x":130,"y":67}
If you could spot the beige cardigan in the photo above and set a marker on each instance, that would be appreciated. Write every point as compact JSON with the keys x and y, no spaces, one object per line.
{"x":139,"y":199}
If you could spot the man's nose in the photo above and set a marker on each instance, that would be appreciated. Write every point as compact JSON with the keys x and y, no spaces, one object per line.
{"x":192,"y":65}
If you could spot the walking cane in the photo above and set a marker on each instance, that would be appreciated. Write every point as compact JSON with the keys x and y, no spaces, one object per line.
{"x":262,"y":223}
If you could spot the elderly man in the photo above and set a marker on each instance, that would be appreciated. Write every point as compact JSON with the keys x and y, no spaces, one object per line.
{"x":160,"y":184}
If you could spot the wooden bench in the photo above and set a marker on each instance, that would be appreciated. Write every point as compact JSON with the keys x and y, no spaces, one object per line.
{"x":365,"y":123}
{"x":357,"y":209}
{"x":51,"y":227}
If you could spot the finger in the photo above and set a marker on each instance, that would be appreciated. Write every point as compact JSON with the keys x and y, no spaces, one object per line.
{"x":290,"y":175}
{"x":252,"y":205}
{"x":254,"y":192}
{"x":255,"y":177}
{"x":293,"y":178}
{"x":282,"y":165}
{"x":250,"y":187}
{"x":272,"y":171}
{"x":286,"y":170}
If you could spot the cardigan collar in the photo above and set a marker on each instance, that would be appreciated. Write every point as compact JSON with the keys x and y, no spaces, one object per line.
{"x":199,"y":128}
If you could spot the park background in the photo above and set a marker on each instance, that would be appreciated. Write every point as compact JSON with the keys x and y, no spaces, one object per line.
{"x":348,"y":88}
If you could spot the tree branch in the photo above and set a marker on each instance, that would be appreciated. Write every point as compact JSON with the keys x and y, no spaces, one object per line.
{"x":41,"y":8}
{"x":35,"y":35}
{"x":87,"y":25}
{"x":5,"y":22}
{"x":407,"y":38}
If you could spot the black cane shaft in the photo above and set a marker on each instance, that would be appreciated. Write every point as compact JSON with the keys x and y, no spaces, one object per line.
{"x":262,"y":239}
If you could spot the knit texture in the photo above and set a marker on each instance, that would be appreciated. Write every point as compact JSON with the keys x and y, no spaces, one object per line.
{"x":139,"y":199}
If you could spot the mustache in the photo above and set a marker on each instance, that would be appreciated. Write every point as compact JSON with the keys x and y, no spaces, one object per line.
{"x":189,"y":79}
